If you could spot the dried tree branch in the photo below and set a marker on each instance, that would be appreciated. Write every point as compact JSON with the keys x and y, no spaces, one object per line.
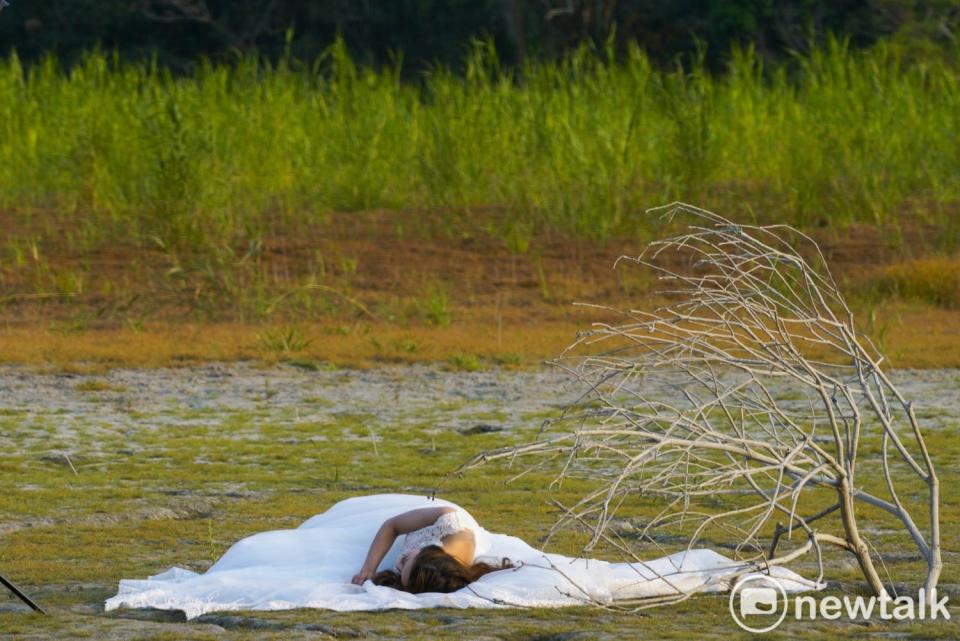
{"x":751,"y":385}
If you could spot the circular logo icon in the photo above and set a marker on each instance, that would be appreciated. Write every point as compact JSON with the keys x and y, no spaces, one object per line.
{"x":757,"y":599}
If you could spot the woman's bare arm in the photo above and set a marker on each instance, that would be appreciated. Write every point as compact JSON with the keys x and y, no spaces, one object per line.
{"x":388,"y":533}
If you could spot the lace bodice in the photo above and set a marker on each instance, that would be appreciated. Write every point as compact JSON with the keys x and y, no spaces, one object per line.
{"x":447,"y":524}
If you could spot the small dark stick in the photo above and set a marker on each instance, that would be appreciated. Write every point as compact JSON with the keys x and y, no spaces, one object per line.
{"x":23,"y":597}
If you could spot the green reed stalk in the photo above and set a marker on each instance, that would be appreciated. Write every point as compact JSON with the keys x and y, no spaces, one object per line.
{"x":203,"y":164}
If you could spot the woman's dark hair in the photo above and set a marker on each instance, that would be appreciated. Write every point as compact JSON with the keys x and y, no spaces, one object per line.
{"x":436,"y":571}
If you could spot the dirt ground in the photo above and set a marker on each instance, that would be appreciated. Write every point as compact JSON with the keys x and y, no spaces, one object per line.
{"x":364,"y":288}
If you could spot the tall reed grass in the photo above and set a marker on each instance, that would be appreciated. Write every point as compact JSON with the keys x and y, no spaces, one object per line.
{"x":109,"y":151}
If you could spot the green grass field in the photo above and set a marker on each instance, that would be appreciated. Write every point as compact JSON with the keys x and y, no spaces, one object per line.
{"x":134,"y":195}
{"x":110,"y":151}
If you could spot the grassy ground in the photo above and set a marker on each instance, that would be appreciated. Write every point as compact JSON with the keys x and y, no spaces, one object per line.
{"x":365,"y":288}
{"x":469,"y":344}
{"x":147,"y":495}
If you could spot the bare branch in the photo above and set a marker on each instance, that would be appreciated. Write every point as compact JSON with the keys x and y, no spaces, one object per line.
{"x":743,"y":398}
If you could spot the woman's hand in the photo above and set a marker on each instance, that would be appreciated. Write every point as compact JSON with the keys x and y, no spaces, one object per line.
{"x":361,"y":576}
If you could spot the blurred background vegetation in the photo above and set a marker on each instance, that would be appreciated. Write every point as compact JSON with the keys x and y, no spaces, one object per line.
{"x":431,"y":32}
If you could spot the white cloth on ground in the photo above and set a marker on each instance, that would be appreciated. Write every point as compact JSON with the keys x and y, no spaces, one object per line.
{"x":311,"y":567}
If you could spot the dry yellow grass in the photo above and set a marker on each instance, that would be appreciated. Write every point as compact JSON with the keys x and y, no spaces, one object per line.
{"x":909,"y":335}
{"x":934,"y":280}
{"x":357,"y":290}
{"x":464,"y":345}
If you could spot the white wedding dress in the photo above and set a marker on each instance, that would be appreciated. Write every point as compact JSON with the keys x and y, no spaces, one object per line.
{"x":311,"y":567}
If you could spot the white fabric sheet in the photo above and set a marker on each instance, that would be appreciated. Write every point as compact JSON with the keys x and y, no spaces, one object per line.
{"x":311,"y":567}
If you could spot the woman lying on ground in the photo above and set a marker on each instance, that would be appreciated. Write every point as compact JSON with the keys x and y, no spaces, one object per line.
{"x":435,"y":565}
{"x":438,"y":552}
